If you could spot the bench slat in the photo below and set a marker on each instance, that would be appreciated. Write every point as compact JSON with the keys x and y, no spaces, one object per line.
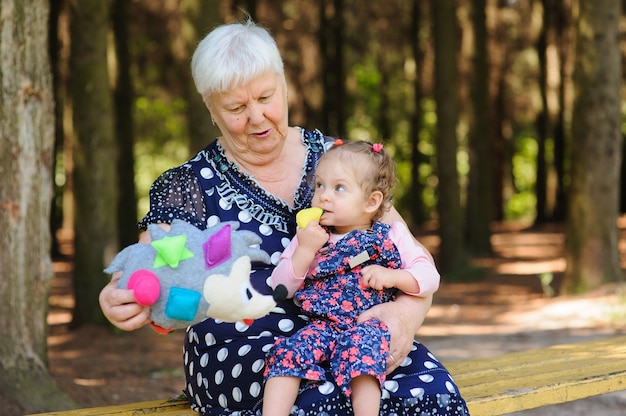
{"x":530,"y":379}
{"x":154,"y":407}
{"x":538,"y":356}
{"x":492,"y":386}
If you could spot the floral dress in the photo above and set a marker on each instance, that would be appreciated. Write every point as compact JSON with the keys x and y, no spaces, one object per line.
{"x":334,"y":297}
{"x":224,"y":362}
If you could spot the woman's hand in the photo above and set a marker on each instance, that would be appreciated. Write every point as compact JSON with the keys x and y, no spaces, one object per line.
{"x":403,"y":317}
{"x":120,"y":307}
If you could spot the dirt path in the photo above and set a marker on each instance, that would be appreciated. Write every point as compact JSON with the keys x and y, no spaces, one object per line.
{"x":457,"y":330}
{"x":506,"y":310}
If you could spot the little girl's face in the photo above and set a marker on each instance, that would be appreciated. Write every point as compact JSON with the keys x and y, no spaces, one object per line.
{"x":338,"y":193}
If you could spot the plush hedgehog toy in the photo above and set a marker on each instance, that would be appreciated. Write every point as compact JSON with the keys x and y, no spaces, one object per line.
{"x":187,"y":274}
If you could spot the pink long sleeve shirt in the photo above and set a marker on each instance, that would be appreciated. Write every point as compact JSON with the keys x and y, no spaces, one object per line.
{"x":415,"y":260}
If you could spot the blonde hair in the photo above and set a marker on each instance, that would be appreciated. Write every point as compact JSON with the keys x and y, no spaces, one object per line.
{"x":374,"y":168}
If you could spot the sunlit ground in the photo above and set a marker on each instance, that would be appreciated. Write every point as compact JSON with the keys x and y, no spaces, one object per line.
{"x":517,"y":305}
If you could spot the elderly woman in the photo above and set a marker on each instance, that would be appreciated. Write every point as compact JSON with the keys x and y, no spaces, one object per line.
{"x":260,"y":172}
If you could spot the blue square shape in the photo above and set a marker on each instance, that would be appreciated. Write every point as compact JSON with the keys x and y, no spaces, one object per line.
{"x":182,"y":304}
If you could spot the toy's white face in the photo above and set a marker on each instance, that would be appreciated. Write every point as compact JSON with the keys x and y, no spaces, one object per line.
{"x":232,"y":298}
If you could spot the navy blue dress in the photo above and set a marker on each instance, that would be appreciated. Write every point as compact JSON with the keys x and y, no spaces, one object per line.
{"x":224,"y":362}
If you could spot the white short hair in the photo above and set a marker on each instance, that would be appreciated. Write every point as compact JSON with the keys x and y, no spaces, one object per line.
{"x":232,"y":55}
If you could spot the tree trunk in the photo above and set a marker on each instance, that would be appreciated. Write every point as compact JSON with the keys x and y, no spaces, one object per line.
{"x":95,"y":157}
{"x":592,"y":254}
{"x":54,"y":47}
{"x":124,"y":132}
{"x":542,"y":122}
{"x":417,"y":208}
{"x":564,"y":25}
{"x":27,"y":137}
{"x":481,"y":188}
{"x":331,"y":46}
{"x":202,"y":16}
{"x":499,"y":120}
{"x":451,"y":257}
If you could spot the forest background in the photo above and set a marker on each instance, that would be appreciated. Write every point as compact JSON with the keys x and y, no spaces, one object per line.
{"x":494,"y":110}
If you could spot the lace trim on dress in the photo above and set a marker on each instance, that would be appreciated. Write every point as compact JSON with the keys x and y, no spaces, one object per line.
{"x":186,"y":191}
{"x":237,"y":187}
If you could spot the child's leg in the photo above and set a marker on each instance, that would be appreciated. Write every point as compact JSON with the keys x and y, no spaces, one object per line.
{"x":365,"y":395}
{"x":280,"y":394}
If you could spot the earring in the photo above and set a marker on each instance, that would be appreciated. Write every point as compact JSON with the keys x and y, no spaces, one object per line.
{"x":213,"y":121}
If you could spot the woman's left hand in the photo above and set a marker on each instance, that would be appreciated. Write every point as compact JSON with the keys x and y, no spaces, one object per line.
{"x":403,"y":317}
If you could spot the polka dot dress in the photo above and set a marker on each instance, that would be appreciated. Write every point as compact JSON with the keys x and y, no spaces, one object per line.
{"x":224,"y":362}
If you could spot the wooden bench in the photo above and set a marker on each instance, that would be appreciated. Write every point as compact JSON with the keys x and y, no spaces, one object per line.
{"x":536,"y":378}
{"x":491,"y":386}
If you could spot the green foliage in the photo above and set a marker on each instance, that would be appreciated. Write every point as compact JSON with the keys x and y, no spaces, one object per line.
{"x":546,"y":284}
{"x":364,"y":86}
{"x":161,"y":125}
{"x":363,"y":124}
{"x":522,"y":202}
{"x":520,"y":206}
{"x":467,"y":273}
{"x":367,"y":79}
{"x":426,"y":146}
{"x":161,"y":142}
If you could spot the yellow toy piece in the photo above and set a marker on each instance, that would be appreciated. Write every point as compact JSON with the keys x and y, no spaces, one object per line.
{"x":305,"y":216}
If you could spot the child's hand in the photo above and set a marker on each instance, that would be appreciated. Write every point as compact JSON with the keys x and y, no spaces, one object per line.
{"x":378,"y":277}
{"x":312,"y":237}
{"x":310,"y":240}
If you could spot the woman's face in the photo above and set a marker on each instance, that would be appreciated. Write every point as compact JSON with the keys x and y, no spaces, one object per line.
{"x":252,"y":117}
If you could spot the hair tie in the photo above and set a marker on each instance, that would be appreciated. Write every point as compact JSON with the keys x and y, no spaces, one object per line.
{"x":377,"y":147}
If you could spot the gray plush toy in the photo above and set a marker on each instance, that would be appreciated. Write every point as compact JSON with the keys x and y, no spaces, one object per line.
{"x":187,"y":274}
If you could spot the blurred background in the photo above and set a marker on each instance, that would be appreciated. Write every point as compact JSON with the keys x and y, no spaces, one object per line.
{"x":504,"y":117}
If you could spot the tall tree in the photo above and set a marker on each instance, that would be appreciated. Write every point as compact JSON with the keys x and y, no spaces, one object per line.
{"x":564,"y":29}
{"x":27,"y":137}
{"x":592,"y":255}
{"x":503,"y":46}
{"x":550,"y":122}
{"x":124,"y":132}
{"x":95,"y":155}
{"x":481,"y":187}
{"x":542,"y":122}
{"x":54,"y":43}
{"x":331,"y":34}
{"x":200,"y":17}
{"x":451,"y":257}
{"x":417,"y":208}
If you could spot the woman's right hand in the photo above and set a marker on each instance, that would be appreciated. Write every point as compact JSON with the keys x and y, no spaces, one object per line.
{"x":120,"y":307}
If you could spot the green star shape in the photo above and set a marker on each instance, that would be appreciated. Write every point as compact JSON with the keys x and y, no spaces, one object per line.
{"x":171,"y":251}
